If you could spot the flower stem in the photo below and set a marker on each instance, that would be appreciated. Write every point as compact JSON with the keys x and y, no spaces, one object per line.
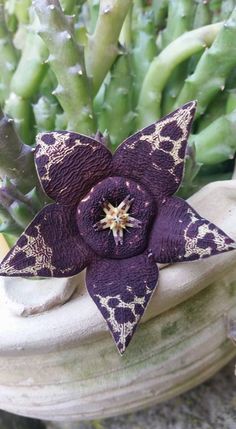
{"x":149,"y":105}
{"x":67,"y":61}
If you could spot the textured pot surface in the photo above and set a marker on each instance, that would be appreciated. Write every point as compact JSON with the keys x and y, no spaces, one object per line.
{"x":62,"y":364}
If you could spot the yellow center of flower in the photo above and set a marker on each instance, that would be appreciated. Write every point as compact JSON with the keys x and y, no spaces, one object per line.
{"x":117,"y":219}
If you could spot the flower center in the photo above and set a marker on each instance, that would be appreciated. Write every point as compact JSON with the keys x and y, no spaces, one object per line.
{"x":117,"y":219}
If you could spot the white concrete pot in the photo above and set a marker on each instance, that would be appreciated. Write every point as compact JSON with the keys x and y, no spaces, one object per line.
{"x":62,"y":364}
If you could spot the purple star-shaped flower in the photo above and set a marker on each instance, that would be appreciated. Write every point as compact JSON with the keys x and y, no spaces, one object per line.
{"x":117,"y":216}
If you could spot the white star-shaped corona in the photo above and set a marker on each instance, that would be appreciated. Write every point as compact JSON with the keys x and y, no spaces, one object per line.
{"x":117,"y":219}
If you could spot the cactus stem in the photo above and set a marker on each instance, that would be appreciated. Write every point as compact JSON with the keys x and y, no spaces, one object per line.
{"x":73,"y":90}
{"x":102,"y":48}
{"x":213,"y":68}
{"x":161,"y":68}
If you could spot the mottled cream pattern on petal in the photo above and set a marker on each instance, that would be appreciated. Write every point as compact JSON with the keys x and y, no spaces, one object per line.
{"x":182,"y":117}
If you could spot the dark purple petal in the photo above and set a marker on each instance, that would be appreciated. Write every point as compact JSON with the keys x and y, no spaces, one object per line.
{"x":180,"y":234}
{"x":155,"y":155}
{"x":90,"y":212}
{"x":121,"y":289}
{"x":50,"y":247}
{"x":69,"y":164}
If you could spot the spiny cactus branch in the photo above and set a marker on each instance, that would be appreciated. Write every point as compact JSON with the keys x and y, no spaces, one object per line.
{"x":102,"y":48}
{"x":67,"y":61}
{"x":120,"y":106}
{"x":149,"y":105}
{"x":202,"y":15}
{"x":16,"y":204}
{"x":20,"y":110}
{"x":179,"y":20}
{"x":160,"y":9}
{"x":31,"y":67}
{"x":216,"y":143}
{"x":144,"y":45}
{"x":213,"y":68}
{"x":8,"y":57}
{"x":16,"y":158}
{"x":45,"y":111}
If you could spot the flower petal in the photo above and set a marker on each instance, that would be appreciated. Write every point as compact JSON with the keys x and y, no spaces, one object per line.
{"x":181,"y":234}
{"x":50,"y":247}
{"x":155,"y":155}
{"x":69,"y":164}
{"x":121,"y":290}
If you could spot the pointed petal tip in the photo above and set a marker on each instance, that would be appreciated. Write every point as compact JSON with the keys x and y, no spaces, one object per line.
{"x":191,"y":106}
{"x":121,"y":289}
{"x":121,"y":351}
{"x":232,"y":246}
{"x":192,"y":103}
{"x":122,"y":347}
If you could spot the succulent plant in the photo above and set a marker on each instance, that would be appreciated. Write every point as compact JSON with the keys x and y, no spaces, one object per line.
{"x":99,"y":200}
{"x":106,"y":70}
{"x":114,"y":67}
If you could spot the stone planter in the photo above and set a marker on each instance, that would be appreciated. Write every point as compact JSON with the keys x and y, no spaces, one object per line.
{"x":61,"y":364}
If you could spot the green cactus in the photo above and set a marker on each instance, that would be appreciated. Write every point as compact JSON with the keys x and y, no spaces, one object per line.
{"x":231,"y":101}
{"x":67,"y":61}
{"x":93,"y":11}
{"x":21,"y":9}
{"x":120,"y":106}
{"x":203,"y":14}
{"x":20,"y":110}
{"x":18,"y":206}
{"x":216,"y":143}
{"x":8,"y":57}
{"x":179,"y":20}
{"x":45,"y":111}
{"x":16,"y":158}
{"x":143,"y":45}
{"x":112,"y":66}
{"x":68,"y":6}
{"x":149,"y":105}
{"x":160,"y":10}
{"x":215,"y":110}
{"x":213,"y":68}
{"x":102,"y":48}
{"x":31,"y":67}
